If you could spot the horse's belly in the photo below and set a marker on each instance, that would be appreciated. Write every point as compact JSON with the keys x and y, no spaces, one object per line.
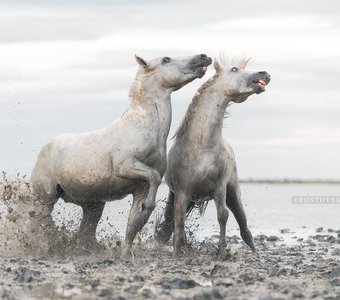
{"x":88,"y":178}
{"x":106,"y":189}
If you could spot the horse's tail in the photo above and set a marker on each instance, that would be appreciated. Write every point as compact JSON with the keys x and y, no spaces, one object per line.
{"x":201,"y":205}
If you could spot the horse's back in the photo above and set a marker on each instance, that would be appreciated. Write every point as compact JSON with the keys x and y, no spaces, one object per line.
{"x":84,"y":165}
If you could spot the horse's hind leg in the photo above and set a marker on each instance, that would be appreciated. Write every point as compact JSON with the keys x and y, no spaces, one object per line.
{"x":45,"y":190}
{"x":222,"y":216}
{"x":167,"y":226}
{"x":235,"y":205}
{"x":45,"y":194}
{"x":92,"y":213}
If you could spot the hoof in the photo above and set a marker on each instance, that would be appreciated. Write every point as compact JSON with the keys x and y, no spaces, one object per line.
{"x":177,"y":254}
{"x":252,"y":246}
{"x":248,"y":239}
{"x":127,"y":255}
{"x":86,"y":246}
{"x":224,"y":253}
{"x":257,"y":254}
{"x":162,"y":236}
{"x":160,"y":239}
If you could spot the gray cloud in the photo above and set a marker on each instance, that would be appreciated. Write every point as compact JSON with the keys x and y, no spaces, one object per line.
{"x":78,"y":20}
{"x":70,"y":65}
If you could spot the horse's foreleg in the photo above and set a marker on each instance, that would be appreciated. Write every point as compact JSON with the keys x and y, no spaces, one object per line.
{"x":134,"y":169}
{"x":145,"y":199}
{"x":236,"y":207}
{"x":138,"y":217}
{"x":167,"y":226}
{"x":222,"y":217}
{"x":180,"y":210}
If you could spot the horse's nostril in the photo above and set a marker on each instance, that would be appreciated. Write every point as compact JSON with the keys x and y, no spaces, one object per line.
{"x":204,"y":56}
{"x":263,"y":73}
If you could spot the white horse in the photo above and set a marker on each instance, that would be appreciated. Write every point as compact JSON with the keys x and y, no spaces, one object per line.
{"x":201,"y":165}
{"x":126,"y":157}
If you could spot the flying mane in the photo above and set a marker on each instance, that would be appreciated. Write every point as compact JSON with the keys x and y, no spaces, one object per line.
{"x":220,"y":65}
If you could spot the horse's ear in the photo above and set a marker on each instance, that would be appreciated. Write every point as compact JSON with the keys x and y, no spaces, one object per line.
{"x":217,"y":66}
{"x":141,"y":61}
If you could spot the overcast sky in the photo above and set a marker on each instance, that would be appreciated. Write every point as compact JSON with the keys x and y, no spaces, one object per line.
{"x":67,"y":66}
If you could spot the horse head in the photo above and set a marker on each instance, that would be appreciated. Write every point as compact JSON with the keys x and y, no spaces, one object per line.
{"x":236,"y":83}
{"x":173,"y":73}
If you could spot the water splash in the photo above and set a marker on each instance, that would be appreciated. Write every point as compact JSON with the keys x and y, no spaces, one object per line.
{"x":23,"y":234}
{"x":21,"y":230}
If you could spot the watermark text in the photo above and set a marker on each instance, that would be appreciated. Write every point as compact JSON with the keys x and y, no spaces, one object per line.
{"x":316,"y":199}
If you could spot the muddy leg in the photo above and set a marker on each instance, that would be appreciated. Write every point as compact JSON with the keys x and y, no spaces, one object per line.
{"x":134,"y":169}
{"x":92,"y":213}
{"x":222,"y":217}
{"x":167,"y":226}
{"x":45,"y":196}
{"x":235,"y":205}
{"x":179,"y":235}
{"x":138,"y":217}
{"x":44,"y":188}
{"x":138,"y":198}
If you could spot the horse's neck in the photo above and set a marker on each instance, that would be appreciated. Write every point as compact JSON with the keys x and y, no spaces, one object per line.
{"x":162,"y":114}
{"x":156,"y":106}
{"x":207,"y":122}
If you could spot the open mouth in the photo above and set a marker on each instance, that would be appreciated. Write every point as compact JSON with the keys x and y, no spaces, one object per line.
{"x":204,"y":66}
{"x":262,"y":84}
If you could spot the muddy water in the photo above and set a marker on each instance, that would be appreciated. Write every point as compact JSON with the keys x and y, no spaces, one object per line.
{"x":269,"y":209}
{"x":298,"y":252}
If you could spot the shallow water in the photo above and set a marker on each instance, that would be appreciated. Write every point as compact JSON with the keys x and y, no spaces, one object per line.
{"x":269,"y":208}
{"x":288,"y":265}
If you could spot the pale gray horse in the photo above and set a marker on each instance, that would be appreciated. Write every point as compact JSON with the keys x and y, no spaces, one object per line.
{"x":201,"y":165}
{"x":126,"y":157}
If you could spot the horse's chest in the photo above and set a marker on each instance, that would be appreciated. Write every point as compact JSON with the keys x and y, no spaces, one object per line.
{"x":157,"y":161}
{"x":209,"y":173}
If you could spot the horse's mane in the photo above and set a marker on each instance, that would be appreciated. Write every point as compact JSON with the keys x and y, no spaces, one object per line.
{"x":196,"y":100}
{"x":220,"y":65}
{"x":237,"y":61}
{"x":137,"y":90}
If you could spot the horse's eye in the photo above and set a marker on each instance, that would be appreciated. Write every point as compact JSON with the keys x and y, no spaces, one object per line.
{"x":234,"y":69}
{"x":166,"y":60}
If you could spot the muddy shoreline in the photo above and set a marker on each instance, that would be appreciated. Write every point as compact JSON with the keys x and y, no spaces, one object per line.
{"x":308,"y":269}
{"x":288,"y":266}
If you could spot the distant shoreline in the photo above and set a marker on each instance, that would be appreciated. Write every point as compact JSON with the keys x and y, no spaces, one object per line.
{"x":248,"y":180}
{"x":289,"y":181}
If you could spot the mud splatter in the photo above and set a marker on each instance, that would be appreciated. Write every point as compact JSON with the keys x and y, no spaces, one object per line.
{"x":306,"y":267}
{"x":21,"y":233}
{"x":279,"y":271}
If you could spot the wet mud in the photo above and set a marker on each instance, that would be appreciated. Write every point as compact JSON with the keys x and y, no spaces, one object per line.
{"x":285,"y":267}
